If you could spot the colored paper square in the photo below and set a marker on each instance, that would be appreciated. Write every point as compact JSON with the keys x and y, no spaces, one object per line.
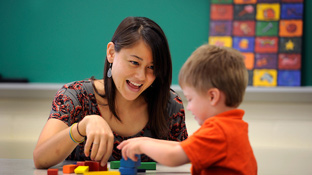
{"x":289,"y":61}
{"x":250,"y":77}
{"x":265,"y":77}
{"x":268,"y":12}
{"x":244,"y":28}
{"x":292,"y":11}
{"x":289,"y":78}
{"x":290,"y":28}
{"x":221,"y":12}
{"x":270,"y":1}
{"x":245,"y":1}
{"x":249,"y":59}
{"x":267,"y":28}
{"x":292,"y":0}
{"x":266,"y":44}
{"x":266,"y":61}
{"x":290,"y":45}
{"x":220,"y":28}
{"x":221,"y":1}
{"x":244,"y":12}
{"x":220,"y":41}
{"x":244,"y":44}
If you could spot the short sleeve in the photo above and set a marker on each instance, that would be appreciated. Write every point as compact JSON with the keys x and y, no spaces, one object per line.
{"x":65,"y":106}
{"x":206,"y":146}
{"x":178,"y":130}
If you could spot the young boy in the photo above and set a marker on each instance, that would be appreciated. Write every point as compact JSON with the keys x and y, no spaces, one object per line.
{"x":213,"y":80}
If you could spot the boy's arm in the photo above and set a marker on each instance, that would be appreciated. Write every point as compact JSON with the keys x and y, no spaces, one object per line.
{"x":168,"y":153}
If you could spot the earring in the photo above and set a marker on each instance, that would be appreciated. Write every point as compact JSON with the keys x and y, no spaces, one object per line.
{"x":109,"y":72}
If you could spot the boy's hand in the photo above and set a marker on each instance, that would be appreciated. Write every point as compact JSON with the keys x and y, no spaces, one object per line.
{"x":131,"y":147}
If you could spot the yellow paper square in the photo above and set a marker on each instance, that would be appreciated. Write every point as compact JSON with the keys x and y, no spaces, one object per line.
{"x":268,"y":12}
{"x":265,"y":77}
{"x":220,"y":41}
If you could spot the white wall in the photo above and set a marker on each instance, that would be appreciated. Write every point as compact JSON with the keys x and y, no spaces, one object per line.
{"x":280,"y":130}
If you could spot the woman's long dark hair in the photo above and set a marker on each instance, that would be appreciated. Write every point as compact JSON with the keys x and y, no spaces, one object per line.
{"x":128,"y":33}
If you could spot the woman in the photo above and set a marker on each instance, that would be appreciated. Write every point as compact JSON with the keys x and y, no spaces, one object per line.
{"x":90,"y":118}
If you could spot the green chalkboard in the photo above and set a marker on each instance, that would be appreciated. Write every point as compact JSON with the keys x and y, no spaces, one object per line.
{"x":65,"y":40}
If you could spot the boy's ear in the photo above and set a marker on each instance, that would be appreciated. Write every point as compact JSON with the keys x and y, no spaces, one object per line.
{"x":110,"y":52}
{"x":214,"y":96}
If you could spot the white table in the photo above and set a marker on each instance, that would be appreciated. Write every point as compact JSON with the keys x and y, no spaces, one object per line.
{"x":26,"y":167}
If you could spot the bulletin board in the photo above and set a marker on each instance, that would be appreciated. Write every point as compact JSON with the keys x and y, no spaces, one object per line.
{"x":268,"y":33}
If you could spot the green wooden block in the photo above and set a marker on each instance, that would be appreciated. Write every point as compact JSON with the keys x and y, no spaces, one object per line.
{"x":114,"y":164}
{"x":144,"y":165}
{"x":148,"y":165}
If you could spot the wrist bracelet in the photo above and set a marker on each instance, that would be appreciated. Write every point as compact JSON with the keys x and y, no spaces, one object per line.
{"x":71,"y":135}
{"x":78,"y":131}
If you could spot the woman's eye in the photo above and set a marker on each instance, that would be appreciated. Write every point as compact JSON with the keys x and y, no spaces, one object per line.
{"x":134,"y":62}
{"x":151,"y":67}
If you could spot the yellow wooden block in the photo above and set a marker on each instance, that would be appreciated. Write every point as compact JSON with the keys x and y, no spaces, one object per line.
{"x":102,"y":173}
{"x":265,"y":77}
{"x":220,"y":41}
{"x":81,"y":169}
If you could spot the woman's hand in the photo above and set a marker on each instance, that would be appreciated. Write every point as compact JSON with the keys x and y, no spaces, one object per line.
{"x":99,"y":137}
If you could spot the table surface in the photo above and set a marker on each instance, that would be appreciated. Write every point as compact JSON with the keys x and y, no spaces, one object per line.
{"x":26,"y":167}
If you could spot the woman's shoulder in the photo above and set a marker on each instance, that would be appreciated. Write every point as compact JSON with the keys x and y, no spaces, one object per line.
{"x":77,"y":87}
{"x":175,"y":98}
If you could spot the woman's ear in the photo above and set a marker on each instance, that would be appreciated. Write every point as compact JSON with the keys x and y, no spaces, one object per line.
{"x":110,"y":52}
{"x":214,"y":96}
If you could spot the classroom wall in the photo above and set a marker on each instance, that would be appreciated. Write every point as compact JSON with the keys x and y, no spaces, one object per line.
{"x":63,"y":41}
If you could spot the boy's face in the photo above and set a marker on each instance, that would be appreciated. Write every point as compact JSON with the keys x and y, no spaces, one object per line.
{"x":198,"y":104}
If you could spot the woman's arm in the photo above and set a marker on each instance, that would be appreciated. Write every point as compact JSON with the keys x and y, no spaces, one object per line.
{"x":55,"y":144}
{"x":168,"y":153}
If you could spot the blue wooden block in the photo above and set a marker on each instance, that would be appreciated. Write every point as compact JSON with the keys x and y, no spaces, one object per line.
{"x":127,"y":171}
{"x":130,"y":163}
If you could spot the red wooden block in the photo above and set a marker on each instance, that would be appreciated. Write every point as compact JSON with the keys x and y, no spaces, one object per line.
{"x":81,"y":163}
{"x":52,"y":171}
{"x":93,"y":166}
{"x":69,"y":168}
{"x":102,"y":168}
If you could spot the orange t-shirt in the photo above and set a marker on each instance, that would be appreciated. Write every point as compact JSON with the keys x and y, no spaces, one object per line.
{"x":221,"y":146}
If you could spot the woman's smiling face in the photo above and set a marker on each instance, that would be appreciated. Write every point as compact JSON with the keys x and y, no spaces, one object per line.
{"x":133,"y":70}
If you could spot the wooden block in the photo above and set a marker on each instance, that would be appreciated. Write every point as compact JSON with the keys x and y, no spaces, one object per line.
{"x":81,"y":169}
{"x":52,"y":171}
{"x":81,"y":163}
{"x":148,"y":165}
{"x":102,"y":173}
{"x":128,"y":170}
{"x":69,"y":168}
{"x":114,"y":164}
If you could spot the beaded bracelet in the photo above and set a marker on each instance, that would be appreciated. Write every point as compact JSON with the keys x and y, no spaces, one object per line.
{"x":71,"y":135}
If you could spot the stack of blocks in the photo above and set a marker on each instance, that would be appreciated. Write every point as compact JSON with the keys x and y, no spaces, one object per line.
{"x":86,"y":168}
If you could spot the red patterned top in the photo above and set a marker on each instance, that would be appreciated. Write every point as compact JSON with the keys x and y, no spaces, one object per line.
{"x":76,"y":100}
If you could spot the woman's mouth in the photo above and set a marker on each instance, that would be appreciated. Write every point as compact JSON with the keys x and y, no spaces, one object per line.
{"x":134,"y":85}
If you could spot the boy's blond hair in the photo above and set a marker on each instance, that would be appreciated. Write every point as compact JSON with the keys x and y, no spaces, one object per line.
{"x":212,"y":66}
